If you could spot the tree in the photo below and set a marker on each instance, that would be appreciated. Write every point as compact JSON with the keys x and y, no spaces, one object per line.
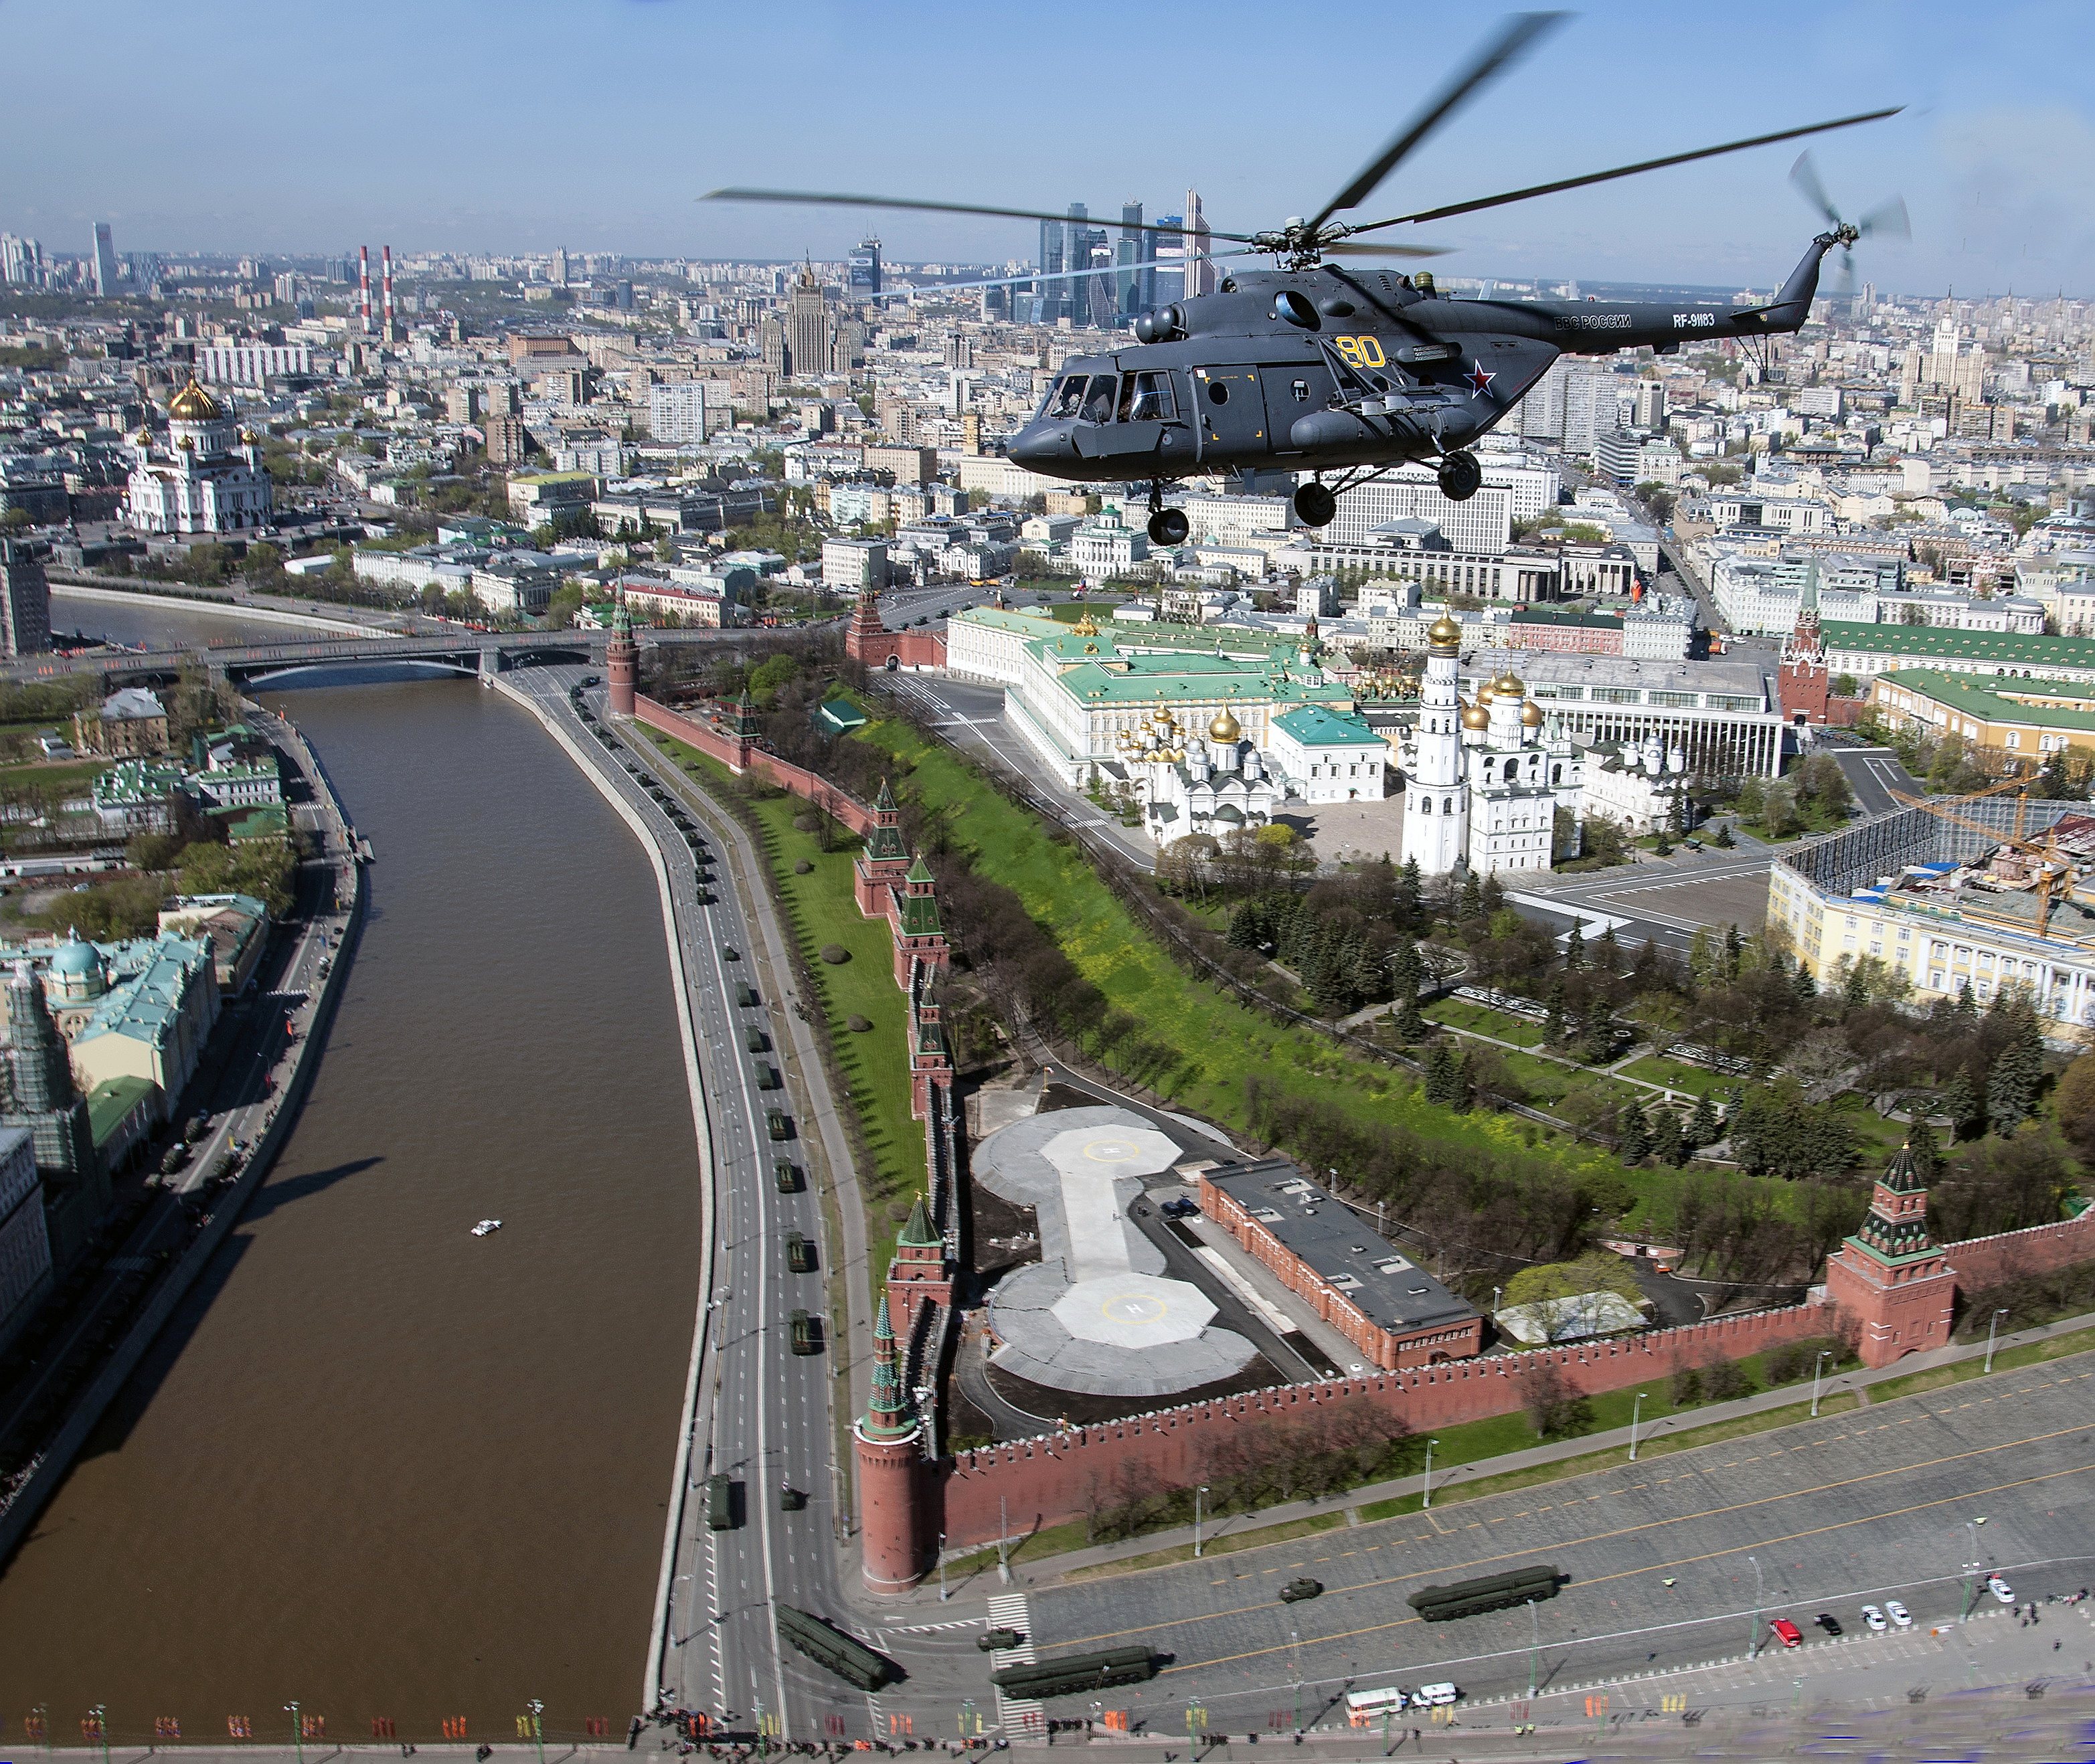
{"x":1959,"y":1100}
{"x":1669,"y":1144}
{"x":767,"y":676}
{"x":2011,"y":1084}
{"x":1446,"y":1082}
{"x":1724,"y":840}
{"x":1574,"y":948}
{"x":1471,"y":905}
{"x":1703,"y":1126}
{"x":1633,"y":1135}
{"x":1410,"y":1022}
{"x":2073,"y":1106}
{"x":1920,"y":1141}
{"x":1554,"y":1409}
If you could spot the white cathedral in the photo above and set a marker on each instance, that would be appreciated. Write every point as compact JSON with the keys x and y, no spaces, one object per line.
{"x":1482,"y":780}
{"x":209,"y":480}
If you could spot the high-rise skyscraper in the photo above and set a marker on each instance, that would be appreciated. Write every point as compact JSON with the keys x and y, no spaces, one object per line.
{"x":1199,"y":269}
{"x":25,"y":602}
{"x":1127,"y":253}
{"x":865,"y":269}
{"x":1168,"y":280}
{"x":557,"y":274}
{"x":105,"y":259}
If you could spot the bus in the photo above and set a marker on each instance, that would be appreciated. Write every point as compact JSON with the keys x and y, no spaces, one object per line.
{"x":1364,"y":1709}
{"x":719,"y":1503}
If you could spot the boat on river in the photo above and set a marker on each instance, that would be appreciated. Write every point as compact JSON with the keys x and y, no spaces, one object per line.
{"x":487,"y":1228}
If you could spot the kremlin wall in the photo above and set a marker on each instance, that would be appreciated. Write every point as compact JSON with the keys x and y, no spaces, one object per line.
{"x":1890,"y":1288}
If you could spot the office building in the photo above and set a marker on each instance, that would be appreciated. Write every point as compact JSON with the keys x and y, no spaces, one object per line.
{"x":104,"y":265}
{"x":865,"y":271}
{"x":25,"y":602}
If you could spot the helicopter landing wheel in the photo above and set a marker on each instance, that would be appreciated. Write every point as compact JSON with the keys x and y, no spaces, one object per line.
{"x":1169,"y":526}
{"x":1314,"y":505}
{"x":1460,"y":476}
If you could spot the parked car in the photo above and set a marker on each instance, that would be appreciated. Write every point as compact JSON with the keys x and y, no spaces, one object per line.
{"x":1180,"y":1209}
{"x":1300,"y":1588}
{"x":2000,"y":1589}
{"x":1826,"y":1621}
{"x":1787,"y":1633}
{"x":1875,"y":1619}
{"x":1900,"y":1616}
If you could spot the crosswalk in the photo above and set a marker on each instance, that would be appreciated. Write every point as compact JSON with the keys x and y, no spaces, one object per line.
{"x":1015,"y":1714}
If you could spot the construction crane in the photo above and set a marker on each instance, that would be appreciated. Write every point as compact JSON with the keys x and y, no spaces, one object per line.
{"x":2052,"y":867}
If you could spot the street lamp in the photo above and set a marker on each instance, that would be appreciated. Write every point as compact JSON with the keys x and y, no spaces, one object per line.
{"x":1295,"y":1646}
{"x":943,"y":1594}
{"x":1636,"y":1412}
{"x":297,"y":1731}
{"x":1993,"y":1328}
{"x":1428,"y":1500}
{"x":1198,"y":1493}
{"x":1760,"y":1590}
{"x":1971,"y":1567}
{"x":1817,"y":1366}
{"x":538,"y":1726}
{"x":1534,"y":1648}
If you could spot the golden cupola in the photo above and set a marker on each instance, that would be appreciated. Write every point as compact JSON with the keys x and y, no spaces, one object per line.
{"x":1476,"y":717}
{"x":1224,"y":727}
{"x":1445,"y":633}
{"x":1531,"y":715}
{"x":193,"y":404}
{"x":1508,"y":686}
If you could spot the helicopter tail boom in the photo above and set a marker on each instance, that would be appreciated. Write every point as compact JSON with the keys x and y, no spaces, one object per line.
{"x":1601,"y":327}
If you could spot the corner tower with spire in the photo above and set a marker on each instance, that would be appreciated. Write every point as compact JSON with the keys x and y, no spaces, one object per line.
{"x":622,"y":659}
{"x":888,"y":1443}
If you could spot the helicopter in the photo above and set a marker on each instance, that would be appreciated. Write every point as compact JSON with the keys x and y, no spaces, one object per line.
{"x":1318,"y":367}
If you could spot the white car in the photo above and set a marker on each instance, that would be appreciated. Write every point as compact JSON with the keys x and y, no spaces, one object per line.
{"x":1875,"y":1619}
{"x":2000,"y":1589}
{"x":1900,"y":1616}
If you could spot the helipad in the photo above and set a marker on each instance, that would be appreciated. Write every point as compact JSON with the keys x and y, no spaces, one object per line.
{"x":1098,"y":1313}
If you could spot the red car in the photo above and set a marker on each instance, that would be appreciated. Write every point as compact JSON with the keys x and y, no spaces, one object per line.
{"x":1786,"y":1632}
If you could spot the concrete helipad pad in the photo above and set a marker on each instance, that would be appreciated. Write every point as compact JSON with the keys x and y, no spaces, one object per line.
{"x":1098,"y":1313}
{"x":1134,"y":1311}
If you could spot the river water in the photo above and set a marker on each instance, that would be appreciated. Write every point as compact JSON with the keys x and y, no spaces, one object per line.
{"x":377,"y":1465}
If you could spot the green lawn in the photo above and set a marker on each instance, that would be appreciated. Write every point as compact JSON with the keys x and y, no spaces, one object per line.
{"x":66,"y":777}
{"x":822,"y":908}
{"x":1675,"y":1074}
{"x":1481,"y":1019}
{"x":1875,"y":1138}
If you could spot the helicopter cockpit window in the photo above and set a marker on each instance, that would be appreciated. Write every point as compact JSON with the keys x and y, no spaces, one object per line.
{"x":1146,"y":397}
{"x":1098,"y":398}
{"x":1067,"y":398}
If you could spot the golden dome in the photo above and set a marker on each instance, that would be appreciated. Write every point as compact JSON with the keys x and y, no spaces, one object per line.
{"x":1085,"y":627}
{"x":1531,"y":715}
{"x":1443,"y":633}
{"x":193,"y":404}
{"x":1484,"y":693}
{"x":249,"y":438}
{"x":1225,"y":727}
{"x":1476,"y":717}
{"x":1508,"y":685}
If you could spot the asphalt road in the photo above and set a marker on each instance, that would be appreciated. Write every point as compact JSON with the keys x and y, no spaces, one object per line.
{"x":762,"y":1416}
{"x":1882,"y":1502}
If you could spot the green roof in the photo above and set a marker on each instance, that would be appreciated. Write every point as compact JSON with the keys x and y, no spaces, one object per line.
{"x":1973,"y":697}
{"x":112,"y":1100}
{"x":2007,"y":647}
{"x":1201,"y":679}
{"x":1314,"y":726}
{"x":1612,"y":621}
{"x":839,"y":715}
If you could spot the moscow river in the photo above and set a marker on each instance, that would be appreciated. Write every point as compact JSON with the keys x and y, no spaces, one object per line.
{"x":376,"y":1465}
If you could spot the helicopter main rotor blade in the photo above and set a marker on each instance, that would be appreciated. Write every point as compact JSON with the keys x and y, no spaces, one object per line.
{"x":1516,"y":36}
{"x":839,"y":199}
{"x":1346,"y":249}
{"x":1805,"y":176}
{"x":1628,"y":170}
{"x":1887,"y":220}
{"x":1059,"y":275}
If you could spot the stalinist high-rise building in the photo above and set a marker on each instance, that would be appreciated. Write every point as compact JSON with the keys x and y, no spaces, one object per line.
{"x":1436,"y":796}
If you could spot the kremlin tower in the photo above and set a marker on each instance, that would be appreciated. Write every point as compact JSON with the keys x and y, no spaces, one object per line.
{"x":888,"y":1439}
{"x":622,"y":660}
{"x":1890,"y":1278}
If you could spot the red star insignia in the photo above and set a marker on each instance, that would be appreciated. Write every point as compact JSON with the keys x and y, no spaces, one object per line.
{"x":1480,"y":381}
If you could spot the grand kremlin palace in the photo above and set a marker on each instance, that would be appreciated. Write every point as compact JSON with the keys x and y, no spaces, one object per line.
{"x":1948,"y":903}
{"x":1073,"y":691}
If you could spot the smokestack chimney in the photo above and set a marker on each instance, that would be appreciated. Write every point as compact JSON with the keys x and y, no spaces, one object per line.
{"x":363,"y":283}
{"x":389,"y":294}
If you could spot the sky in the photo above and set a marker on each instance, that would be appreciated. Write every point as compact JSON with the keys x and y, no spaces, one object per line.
{"x":516,"y":125}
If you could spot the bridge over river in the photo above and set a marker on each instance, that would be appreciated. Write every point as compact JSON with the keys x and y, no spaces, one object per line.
{"x":480,"y":652}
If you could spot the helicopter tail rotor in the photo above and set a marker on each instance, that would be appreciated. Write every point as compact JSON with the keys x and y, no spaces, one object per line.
{"x":1887,"y":219}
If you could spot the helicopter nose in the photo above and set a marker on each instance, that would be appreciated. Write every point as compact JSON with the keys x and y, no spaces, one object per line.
{"x":1041,"y":444}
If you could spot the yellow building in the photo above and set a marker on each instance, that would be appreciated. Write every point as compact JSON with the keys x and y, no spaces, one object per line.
{"x":2025,"y":720}
{"x":141,"y":1008}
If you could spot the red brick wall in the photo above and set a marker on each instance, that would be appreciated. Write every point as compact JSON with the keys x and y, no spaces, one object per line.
{"x":724,"y":747}
{"x":1980,"y":1262}
{"x":1062,"y":1476}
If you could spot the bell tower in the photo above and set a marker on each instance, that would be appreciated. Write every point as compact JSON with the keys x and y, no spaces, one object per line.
{"x":1436,"y":798}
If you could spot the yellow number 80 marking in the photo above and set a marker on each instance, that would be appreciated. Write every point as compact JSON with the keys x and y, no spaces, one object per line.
{"x":1361,"y":351}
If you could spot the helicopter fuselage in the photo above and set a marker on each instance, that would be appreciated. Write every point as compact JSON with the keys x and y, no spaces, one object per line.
{"x":1330,"y":367}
